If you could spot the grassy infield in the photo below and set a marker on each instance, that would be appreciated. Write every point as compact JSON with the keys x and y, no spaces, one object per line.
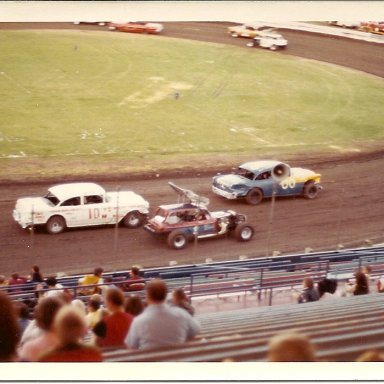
{"x":79,"y":102}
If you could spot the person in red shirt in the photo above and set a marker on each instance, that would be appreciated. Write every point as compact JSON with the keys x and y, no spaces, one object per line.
{"x":135,"y":282}
{"x":70,"y":327}
{"x":113,"y":328}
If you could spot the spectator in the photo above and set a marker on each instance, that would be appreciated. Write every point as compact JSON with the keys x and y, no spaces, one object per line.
{"x":327,"y":288}
{"x":79,"y":304}
{"x":134,"y":305}
{"x":45,"y":313}
{"x":9,"y":329}
{"x":23,"y":316}
{"x":93,"y":310}
{"x":160,"y":324}
{"x":309,"y":292}
{"x":3,"y":281}
{"x":96,"y":278}
{"x":14,"y":283}
{"x":180,"y":299}
{"x":290,"y":346}
{"x":361,"y":286}
{"x":70,"y":328}
{"x":370,"y":356}
{"x":36,"y":276}
{"x":54,"y":288}
{"x":112,"y":330}
{"x":380,"y":285}
{"x":108,"y":284}
{"x":135,"y":282}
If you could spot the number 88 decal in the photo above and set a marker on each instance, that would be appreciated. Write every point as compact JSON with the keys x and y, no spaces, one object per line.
{"x":289,"y":182}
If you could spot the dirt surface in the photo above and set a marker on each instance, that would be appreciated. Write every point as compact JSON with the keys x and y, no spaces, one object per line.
{"x":349,"y":211}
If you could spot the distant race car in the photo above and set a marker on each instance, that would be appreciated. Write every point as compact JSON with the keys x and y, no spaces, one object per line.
{"x":248,"y":30}
{"x":270,"y":40}
{"x":150,"y":28}
{"x":182,"y":222}
{"x":80,"y":205}
{"x":256,"y":180}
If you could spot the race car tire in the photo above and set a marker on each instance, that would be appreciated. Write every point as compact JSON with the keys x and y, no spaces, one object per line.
{"x":273,"y":47}
{"x":244,"y":232}
{"x":310,"y":190}
{"x":177,"y":239}
{"x":56,"y":225}
{"x":234,"y":34}
{"x":133,"y":219}
{"x":254,"y":196}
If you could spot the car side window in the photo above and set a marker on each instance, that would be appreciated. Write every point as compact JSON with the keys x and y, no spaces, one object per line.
{"x":264,"y":176}
{"x":93,"y":199}
{"x":70,"y":202}
{"x":173,"y":218}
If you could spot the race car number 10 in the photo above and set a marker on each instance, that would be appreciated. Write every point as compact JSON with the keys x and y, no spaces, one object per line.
{"x":94,"y":213}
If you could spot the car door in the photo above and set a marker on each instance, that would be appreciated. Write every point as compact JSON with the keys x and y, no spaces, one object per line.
{"x":205,"y":224}
{"x":70,"y":209}
{"x":94,"y":210}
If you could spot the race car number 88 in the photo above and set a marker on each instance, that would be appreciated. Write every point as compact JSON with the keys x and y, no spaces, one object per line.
{"x":289,"y":182}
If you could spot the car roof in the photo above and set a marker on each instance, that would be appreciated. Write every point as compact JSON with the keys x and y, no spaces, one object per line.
{"x":179,"y":206}
{"x":66,"y":191}
{"x":260,"y":165}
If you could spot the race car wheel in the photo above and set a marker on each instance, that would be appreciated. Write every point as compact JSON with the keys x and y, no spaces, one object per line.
{"x":177,"y":240}
{"x":55,"y":225}
{"x":254,"y":196}
{"x":244,"y":232}
{"x":273,"y":47}
{"x":234,"y":34}
{"x":133,"y":219}
{"x":310,"y":190}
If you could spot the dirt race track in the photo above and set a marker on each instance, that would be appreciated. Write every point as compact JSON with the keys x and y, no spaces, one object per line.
{"x":348,"y":211}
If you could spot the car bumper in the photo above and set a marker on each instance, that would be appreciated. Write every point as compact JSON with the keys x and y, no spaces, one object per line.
{"x":18,"y":218}
{"x":227,"y":195}
{"x":149,"y":228}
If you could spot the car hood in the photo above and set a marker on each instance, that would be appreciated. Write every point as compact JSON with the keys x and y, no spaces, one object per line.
{"x":230,"y":180}
{"x":29,"y":204}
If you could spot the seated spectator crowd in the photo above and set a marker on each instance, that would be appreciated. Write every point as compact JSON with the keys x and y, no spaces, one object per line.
{"x":64,"y":329}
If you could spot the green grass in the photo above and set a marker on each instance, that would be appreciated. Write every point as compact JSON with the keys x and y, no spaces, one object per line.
{"x":86,"y":99}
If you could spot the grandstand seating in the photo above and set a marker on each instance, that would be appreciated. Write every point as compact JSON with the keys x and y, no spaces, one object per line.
{"x":341,"y":329}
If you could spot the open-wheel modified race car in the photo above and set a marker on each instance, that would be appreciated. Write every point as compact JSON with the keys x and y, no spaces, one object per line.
{"x":182,"y":222}
{"x":256,"y":180}
{"x":80,"y":205}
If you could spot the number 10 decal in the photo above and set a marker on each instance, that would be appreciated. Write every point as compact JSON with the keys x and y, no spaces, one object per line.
{"x":94,"y":213}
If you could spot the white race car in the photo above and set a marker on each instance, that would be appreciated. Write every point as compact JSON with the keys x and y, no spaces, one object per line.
{"x":271,"y":40}
{"x":80,"y":205}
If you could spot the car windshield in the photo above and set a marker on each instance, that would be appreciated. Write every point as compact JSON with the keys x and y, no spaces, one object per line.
{"x":245,"y":173}
{"x":52,"y":198}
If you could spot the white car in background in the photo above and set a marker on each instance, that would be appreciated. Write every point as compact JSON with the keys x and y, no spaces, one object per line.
{"x":271,"y":40}
{"x":80,"y":205}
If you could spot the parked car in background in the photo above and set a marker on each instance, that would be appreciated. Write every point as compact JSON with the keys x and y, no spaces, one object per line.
{"x":270,"y":40}
{"x":181,"y":222}
{"x":248,"y":30}
{"x":376,"y":27}
{"x":139,"y":27}
{"x":80,"y":205}
{"x":256,"y":180}
{"x":345,"y":24}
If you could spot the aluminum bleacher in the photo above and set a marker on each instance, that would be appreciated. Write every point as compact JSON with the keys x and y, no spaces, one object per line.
{"x":341,"y":329}
{"x":242,"y":277}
